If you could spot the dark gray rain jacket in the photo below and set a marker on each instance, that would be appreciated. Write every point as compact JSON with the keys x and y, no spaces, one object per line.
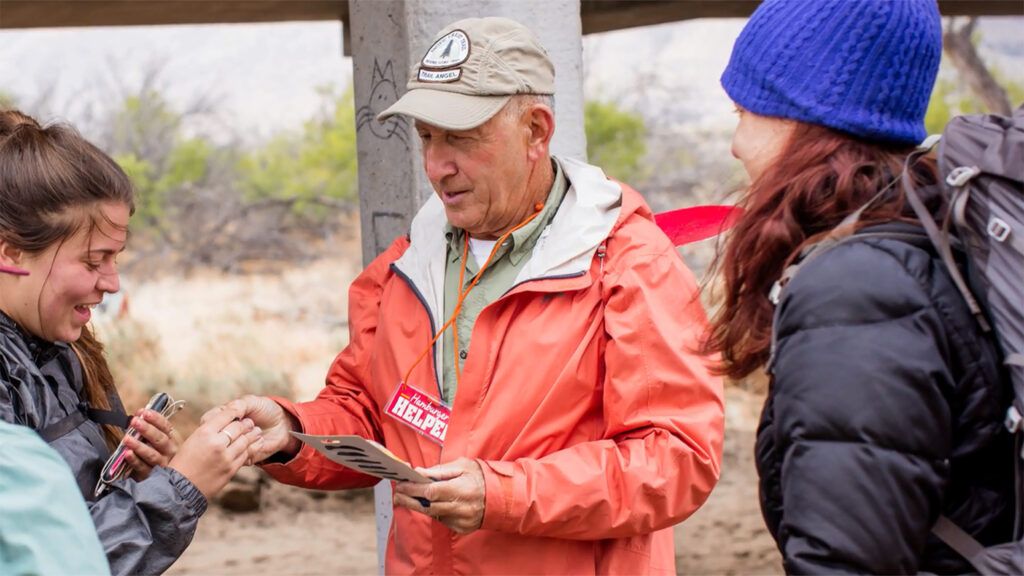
{"x":143,"y":526}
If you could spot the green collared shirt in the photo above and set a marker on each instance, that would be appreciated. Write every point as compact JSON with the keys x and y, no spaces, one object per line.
{"x":497,"y":279}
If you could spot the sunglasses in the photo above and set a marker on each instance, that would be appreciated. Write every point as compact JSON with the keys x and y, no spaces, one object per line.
{"x":116,"y":467}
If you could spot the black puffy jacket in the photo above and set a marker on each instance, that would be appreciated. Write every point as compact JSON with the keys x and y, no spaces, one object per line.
{"x":885,"y":410}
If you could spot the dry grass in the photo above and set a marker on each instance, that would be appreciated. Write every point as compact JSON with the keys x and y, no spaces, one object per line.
{"x":210,"y":338}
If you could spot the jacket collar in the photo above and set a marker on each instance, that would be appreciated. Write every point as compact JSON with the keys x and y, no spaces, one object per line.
{"x":588,"y":213}
{"x":565,"y":248}
{"x":7,"y":323}
{"x":41,"y":351}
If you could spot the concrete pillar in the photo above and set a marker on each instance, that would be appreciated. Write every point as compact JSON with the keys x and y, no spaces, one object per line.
{"x":387,"y":37}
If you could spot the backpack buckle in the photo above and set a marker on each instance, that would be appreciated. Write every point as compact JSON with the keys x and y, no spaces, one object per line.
{"x":776,"y":292}
{"x":998,"y":228}
{"x":961,"y":175}
{"x":1014,"y":421}
{"x":929,"y":142}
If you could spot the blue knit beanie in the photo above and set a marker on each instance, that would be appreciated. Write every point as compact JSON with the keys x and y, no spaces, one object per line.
{"x":865,"y":67}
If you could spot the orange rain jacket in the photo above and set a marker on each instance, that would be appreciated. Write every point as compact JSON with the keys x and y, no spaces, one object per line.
{"x":596,"y":425}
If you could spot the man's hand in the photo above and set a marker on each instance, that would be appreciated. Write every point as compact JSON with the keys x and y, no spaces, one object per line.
{"x":273,"y":420}
{"x":456,"y":496}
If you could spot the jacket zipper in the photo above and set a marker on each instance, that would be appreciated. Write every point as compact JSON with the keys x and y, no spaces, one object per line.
{"x":433,"y":327}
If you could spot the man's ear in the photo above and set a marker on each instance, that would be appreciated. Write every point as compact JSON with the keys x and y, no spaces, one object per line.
{"x":541,"y":123}
{"x":9,"y":255}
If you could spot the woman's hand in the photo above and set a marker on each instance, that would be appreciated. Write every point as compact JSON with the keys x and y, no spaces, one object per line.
{"x":216,"y":450}
{"x":276,"y":423}
{"x":156,"y":445}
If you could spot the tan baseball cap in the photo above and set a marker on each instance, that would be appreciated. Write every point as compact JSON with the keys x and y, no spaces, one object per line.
{"x":471,"y":70}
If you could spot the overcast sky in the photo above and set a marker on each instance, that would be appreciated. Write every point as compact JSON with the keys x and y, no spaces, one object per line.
{"x":263,"y":77}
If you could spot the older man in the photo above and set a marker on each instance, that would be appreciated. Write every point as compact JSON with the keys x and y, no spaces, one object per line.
{"x":546,"y":326}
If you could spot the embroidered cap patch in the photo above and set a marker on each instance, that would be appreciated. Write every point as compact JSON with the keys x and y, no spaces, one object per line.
{"x":441,"y":60}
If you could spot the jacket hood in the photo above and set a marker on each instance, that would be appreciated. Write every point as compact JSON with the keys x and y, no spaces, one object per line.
{"x":587,"y":215}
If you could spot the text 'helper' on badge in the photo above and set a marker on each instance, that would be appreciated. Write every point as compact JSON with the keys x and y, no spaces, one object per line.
{"x":420,"y":412}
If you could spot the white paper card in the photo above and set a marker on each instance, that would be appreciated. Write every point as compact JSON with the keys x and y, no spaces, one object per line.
{"x":362,"y":455}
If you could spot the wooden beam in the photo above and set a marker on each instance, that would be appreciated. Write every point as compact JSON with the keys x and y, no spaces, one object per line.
{"x":596,"y":15}
{"x":981,"y":7}
{"x":606,"y":15}
{"x":68,"y":13}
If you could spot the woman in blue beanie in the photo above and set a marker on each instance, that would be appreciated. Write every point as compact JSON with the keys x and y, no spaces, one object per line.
{"x":885,"y":401}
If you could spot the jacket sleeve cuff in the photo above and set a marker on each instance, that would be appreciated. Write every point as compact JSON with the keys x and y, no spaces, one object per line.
{"x":190,"y":495}
{"x":504,"y":505}
{"x":284,"y":458}
{"x":282,"y":466}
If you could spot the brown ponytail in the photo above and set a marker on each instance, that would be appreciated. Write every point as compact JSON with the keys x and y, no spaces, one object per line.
{"x":97,"y":381}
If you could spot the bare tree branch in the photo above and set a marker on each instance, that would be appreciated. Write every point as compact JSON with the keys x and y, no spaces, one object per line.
{"x":957,"y":44}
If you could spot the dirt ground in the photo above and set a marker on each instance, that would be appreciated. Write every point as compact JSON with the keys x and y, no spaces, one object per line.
{"x":296,"y":532}
{"x":303,"y":532}
{"x":727,"y":536}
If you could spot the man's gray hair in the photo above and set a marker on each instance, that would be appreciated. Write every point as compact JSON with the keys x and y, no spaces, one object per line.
{"x":520,"y":102}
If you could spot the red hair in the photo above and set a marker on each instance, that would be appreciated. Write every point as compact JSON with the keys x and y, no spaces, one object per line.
{"x":820,"y":176}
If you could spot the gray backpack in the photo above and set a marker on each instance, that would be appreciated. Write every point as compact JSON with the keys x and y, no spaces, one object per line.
{"x":982,"y":161}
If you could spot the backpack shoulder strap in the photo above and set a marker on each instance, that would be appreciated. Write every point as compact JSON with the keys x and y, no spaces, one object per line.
{"x":956,"y":538}
{"x":63,"y":426}
{"x":940,"y":239}
{"x":75,"y":419}
{"x":110,"y":417}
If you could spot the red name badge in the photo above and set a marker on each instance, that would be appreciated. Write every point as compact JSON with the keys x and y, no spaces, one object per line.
{"x":420,"y":412}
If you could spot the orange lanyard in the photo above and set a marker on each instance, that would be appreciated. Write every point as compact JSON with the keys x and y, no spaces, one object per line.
{"x":464,"y":293}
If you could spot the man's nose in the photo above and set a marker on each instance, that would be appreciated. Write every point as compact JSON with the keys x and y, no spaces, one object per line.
{"x":438,"y":162}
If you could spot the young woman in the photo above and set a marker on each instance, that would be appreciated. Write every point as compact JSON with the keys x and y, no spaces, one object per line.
{"x":885,"y":404}
{"x":64,"y":210}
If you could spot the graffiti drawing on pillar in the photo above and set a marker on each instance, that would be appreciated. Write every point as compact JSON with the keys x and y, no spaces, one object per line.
{"x":386,"y":227}
{"x":383,"y":93}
